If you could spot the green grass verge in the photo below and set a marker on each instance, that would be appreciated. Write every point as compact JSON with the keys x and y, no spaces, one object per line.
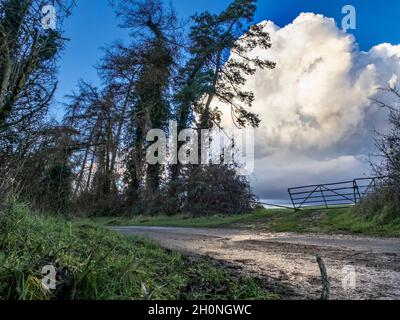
{"x":180,"y":220}
{"x":311,"y":220}
{"x":100,"y":264}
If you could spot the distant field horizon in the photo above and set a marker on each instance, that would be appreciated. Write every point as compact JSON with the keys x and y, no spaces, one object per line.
{"x":279,"y":202}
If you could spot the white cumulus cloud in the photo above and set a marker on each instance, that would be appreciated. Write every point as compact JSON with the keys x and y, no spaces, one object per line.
{"x":316,"y":109}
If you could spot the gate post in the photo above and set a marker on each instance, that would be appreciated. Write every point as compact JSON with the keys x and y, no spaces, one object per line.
{"x":291,"y":198}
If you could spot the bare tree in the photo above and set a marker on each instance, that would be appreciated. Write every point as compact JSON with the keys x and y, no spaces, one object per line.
{"x":384,"y":201}
{"x":28,"y":54}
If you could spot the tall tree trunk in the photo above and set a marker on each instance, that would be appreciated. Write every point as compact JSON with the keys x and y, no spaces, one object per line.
{"x":119,"y":130}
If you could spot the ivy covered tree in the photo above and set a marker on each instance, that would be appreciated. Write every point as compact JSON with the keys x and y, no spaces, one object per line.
{"x":150,"y":108}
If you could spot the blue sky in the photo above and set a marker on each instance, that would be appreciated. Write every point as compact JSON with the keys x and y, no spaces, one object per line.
{"x":94,"y":25}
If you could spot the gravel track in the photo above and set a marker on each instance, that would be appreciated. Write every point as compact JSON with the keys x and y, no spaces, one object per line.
{"x":286,"y":261}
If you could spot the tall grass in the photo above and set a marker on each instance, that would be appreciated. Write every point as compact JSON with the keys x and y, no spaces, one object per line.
{"x":95,"y":263}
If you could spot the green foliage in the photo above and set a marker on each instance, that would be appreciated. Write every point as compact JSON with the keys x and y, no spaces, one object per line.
{"x":50,"y":44}
{"x":98,"y":264}
{"x":90,"y":204}
{"x":217,"y":189}
{"x":381,"y":206}
{"x":57,"y":186}
{"x":213,"y":71}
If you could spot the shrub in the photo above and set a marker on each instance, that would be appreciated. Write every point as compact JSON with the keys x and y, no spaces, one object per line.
{"x":383,"y":205}
{"x":217,"y":190}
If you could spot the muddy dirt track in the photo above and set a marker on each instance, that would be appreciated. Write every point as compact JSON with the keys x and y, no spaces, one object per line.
{"x":286,"y":262}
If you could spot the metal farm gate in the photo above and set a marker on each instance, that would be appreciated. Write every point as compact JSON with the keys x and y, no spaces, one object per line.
{"x":333,"y":195}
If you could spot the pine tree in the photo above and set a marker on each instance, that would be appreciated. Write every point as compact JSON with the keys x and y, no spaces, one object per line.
{"x":220,"y":50}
